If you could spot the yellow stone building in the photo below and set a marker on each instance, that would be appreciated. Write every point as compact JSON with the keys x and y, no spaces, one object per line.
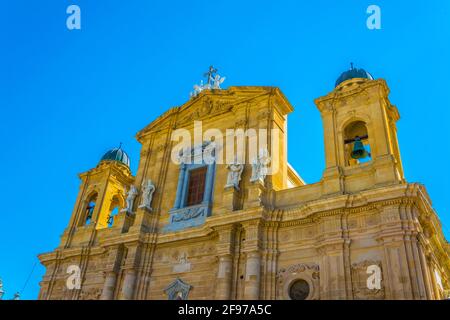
{"x":208,"y":230}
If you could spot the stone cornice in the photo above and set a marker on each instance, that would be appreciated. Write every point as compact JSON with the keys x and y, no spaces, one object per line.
{"x":108,"y":167}
{"x":336,"y":94}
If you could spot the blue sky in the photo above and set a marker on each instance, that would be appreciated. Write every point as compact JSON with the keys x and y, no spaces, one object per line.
{"x":68,"y":96}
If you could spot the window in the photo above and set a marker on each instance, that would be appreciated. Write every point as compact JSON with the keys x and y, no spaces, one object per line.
{"x":90,"y":209}
{"x":196,"y":186}
{"x":111,"y":216}
{"x":299,"y":290}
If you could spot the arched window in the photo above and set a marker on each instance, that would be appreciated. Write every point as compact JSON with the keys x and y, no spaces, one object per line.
{"x":111,"y":216}
{"x":356,"y":143}
{"x":90,"y":207}
{"x":113,"y":211}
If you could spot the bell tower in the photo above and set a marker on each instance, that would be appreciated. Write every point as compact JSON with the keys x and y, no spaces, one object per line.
{"x":100,"y":199}
{"x":361,"y":147}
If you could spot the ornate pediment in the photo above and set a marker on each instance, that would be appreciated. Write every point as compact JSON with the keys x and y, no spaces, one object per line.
{"x":210,"y":103}
{"x":205,"y":107}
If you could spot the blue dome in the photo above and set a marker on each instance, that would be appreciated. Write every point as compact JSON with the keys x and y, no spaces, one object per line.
{"x":353,"y":73}
{"x":117,"y":154}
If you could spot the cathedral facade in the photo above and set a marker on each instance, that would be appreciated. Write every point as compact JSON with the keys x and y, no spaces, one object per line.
{"x":187,"y":226}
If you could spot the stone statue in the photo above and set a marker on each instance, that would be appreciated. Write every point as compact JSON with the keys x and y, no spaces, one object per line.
{"x":2,"y":292}
{"x":234,"y":174}
{"x":131,"y":195}
{"x":217,"y":81}
{"x":259,"y":166}
{"x":213,"y":82}
{"x":147,"y":195}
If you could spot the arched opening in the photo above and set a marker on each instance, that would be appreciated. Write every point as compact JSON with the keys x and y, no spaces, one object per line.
{"x":113,"y":211}
{"x":356,"y":144}
{"x":90,"y":207}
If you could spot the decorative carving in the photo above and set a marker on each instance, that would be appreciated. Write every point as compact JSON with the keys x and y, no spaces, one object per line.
{"x":178,"y":290}
{"x":91,"y":294}
{"x":242,"y":123}
{"x":202,"y":153}
{"x":302,"y":272}
{"x":183,"y":264}
{"x":131,"y":195}
{"x":147,"y":195}
{"x":208,"y":108}
{"x":188,"y":213}
{"x":234,"y":174}
{"x":264,"y":115}
{"x":259,"y":166}
{"x":161,"y":147}
{"x":359,"y":281}
{"x":301,"y":267}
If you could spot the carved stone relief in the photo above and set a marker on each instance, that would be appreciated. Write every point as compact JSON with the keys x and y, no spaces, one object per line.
{"x":292,"y":276}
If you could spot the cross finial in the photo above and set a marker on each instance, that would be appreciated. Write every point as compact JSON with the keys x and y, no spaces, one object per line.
{"x":210,"y":73}
{"x":351,"y":65}
{"x":120,"y":145}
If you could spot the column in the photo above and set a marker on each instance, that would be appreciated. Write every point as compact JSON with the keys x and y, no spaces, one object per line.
{"x":425,"y":272}
{"x":224,"y":275}
{"x":109,"y":286}
{"x":252,"y":276}
{"x":128,"y":285}
{"x":225,"y":246}
{"x":252,"y":247}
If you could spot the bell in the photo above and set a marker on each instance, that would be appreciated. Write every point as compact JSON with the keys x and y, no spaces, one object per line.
{"x":359,"y":152}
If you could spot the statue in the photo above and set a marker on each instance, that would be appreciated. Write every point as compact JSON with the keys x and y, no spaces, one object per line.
{"x":131,"y":195}
{"x":147,"y":195}
{"x":259,"y":166}
{"x":16,"y":296}
{"x":198,"y":88}
{"x":218,"y":80}
{"x":2,"y":292}
{"x":213,"y":82}
{"x":234,"y":174}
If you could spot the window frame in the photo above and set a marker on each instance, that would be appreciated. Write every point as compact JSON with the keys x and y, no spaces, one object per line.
{"x":200,"y":187}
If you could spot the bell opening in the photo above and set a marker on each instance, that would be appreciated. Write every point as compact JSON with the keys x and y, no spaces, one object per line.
{"x":356,"y":144}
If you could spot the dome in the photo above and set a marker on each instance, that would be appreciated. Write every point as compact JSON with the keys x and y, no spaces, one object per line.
{"x":117,"y":154}
{"x":353,"y":73}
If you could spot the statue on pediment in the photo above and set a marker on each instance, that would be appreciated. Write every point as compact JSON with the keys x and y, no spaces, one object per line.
{"x":214,"y":81}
